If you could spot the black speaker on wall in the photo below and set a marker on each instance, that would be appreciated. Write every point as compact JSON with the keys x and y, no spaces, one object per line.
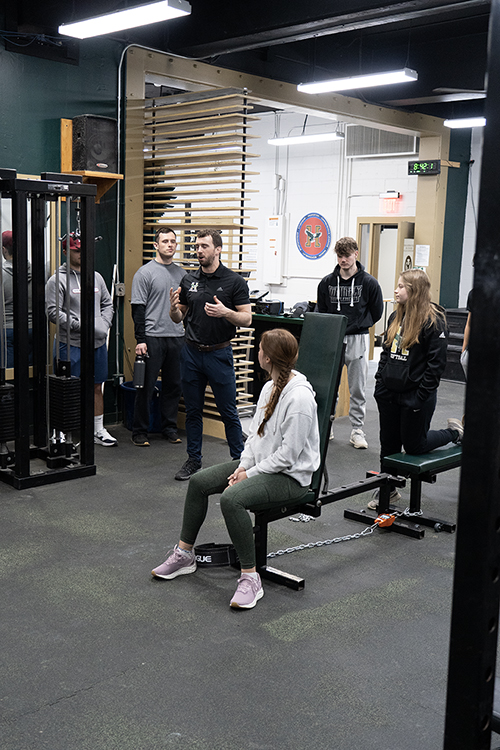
{"x":95,"y":144}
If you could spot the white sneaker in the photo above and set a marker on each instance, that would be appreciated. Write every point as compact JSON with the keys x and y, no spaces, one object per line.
{"x":358,"y":439}
{"x":456,"y":424}
{"x":104,"y":438}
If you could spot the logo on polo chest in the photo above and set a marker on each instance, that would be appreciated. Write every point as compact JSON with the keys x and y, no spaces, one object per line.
{"x":194,"y":286}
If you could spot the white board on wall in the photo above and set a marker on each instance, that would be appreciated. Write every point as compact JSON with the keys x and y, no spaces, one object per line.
{"x":273,"y":251}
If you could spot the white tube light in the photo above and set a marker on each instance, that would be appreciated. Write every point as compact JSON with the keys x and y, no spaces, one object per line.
{"x":130,"y":18}
{"x":314,"y":138}
{"x":359,"y":82}
{"x":466,"y":122}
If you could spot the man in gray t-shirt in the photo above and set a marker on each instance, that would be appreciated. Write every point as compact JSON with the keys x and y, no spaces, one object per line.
{"x":158,"y":338}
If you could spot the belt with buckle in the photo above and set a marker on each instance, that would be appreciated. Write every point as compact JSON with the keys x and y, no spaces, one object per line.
{"x":206,"y":347}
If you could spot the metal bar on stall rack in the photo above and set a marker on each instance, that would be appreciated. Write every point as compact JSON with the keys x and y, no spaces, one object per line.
{"x":38,"y":321}
{"x":58,"y":260}
{"x":68,"y":281}
{"x":21,"y":341}
{"x":3,"y":333}
{"x":87,"y":329}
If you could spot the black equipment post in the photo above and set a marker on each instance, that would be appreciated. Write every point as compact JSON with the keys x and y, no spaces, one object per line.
{"x":21,"y":340}
{"x":38,"y":214}
{"x":476,"y":588}
{"x":87,"y":333}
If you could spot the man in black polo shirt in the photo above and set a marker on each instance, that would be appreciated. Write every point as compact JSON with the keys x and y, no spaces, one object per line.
{"x":212,"y":301}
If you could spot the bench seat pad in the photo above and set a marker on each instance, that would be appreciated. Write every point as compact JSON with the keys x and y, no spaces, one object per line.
{"x":438,"y":460}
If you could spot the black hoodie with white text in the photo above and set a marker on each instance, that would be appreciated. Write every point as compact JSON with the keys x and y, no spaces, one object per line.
{"x":359,"y":298}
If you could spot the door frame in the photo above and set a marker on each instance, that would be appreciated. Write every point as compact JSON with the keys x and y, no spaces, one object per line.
{"x":375,"y":223}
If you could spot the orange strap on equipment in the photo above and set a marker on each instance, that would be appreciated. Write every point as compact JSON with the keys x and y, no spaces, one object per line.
{"x":384,"y":520}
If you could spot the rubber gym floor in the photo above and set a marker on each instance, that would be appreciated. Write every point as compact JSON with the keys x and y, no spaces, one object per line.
{"x":98,"y":655}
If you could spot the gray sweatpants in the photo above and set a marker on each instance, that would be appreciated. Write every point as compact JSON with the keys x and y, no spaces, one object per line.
{"x":356,"y":360}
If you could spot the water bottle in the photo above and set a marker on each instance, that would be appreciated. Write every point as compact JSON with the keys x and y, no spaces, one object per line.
{"x":139,"y":371}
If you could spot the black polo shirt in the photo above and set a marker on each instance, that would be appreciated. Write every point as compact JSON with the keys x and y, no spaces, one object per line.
{"x":197,"y":288}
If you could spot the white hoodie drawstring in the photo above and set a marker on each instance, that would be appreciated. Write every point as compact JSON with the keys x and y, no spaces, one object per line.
{"x":338,"y":293}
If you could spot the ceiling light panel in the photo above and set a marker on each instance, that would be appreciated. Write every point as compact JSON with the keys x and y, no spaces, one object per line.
{"x":141,"y":15}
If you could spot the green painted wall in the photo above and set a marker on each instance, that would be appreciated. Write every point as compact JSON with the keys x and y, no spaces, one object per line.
{"x":35,"y":94}
{"x":456,"y":202}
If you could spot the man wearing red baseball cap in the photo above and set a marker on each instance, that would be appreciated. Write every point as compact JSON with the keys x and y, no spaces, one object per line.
{"x":103,"y":308}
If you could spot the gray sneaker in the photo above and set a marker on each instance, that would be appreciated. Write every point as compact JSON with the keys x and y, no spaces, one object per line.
{"x":177,"y":564}
{"x":373,"y":504}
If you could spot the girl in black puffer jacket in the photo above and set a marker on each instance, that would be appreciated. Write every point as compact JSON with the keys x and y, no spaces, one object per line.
{"x":411,"y":364}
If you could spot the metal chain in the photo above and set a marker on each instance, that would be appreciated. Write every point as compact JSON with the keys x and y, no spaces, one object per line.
{"x":366,"y":532}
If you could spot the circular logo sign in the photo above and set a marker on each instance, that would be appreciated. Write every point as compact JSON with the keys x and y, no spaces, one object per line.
{"x":313,"y":236}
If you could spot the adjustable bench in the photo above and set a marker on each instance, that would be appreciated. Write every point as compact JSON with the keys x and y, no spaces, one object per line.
{"x":424,"y":468}
{"x":418,"y":469}
{"x":320,"y":357}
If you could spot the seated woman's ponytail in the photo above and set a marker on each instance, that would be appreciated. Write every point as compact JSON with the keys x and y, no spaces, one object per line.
{"x":282,"y":349}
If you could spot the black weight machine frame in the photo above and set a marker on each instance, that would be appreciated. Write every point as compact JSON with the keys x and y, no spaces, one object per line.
{"x":15,"y":468}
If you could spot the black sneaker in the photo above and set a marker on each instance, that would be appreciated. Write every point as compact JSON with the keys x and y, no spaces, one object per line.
{"x":172,"y":437}
{"x":190,"y":467}
{"x":140,"y":440}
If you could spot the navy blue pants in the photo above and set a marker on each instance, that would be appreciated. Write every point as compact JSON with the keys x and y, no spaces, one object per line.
{"x":10,"y":346}
{"x":216,"y":369}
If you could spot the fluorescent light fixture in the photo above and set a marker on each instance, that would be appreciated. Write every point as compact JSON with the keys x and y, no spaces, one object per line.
{"x":314,"y":138}
{"x":359,"y":82}
{"x":140,"y":15}
{"x":466,"y":122}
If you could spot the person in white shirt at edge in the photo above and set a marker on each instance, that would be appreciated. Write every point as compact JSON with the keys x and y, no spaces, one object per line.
{"x":349,"y":290}
{"x":280,"y":456}
{"x":103,"y":310}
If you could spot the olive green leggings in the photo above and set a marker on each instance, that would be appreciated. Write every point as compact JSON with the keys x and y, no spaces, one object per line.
{"x":254,"y":493}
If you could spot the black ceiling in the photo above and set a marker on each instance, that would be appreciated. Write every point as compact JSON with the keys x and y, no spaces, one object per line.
{"x":445,"y":41}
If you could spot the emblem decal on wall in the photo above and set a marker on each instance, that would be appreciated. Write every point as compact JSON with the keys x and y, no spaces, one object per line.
{"x":313,"y":236}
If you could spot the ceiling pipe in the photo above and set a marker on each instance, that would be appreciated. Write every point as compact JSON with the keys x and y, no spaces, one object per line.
{"x":389,"y":14}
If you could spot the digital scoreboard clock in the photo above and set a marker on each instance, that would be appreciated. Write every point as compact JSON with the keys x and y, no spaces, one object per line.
{"x":424,"y":167}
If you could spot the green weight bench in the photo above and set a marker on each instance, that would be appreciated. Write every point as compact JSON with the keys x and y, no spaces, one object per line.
{"x":320,"y":357}
{"x":424,"y":468}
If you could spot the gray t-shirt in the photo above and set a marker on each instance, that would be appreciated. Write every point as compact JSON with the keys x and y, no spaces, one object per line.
{"x":151,"y":287}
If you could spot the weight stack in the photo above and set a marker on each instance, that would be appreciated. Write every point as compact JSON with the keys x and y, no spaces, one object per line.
{"x":7,"y":424}
{"x":64,"y":400}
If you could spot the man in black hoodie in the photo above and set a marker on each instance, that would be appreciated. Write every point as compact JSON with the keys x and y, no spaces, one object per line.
{"x":352,"y":292}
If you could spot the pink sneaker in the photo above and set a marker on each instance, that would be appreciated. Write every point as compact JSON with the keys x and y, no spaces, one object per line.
{"x":176,"y":564}
{"x":248,"y":592}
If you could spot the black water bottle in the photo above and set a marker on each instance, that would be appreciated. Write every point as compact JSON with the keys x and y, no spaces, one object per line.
{"x":139,"y":371}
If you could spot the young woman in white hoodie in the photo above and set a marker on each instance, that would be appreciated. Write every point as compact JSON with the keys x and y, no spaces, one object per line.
{"x":280,"y":456}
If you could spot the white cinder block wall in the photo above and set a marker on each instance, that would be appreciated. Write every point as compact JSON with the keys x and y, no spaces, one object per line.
{"x":316,"y":178}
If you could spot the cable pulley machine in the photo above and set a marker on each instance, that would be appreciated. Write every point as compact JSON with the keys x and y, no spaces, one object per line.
{"x":40,"y":412}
